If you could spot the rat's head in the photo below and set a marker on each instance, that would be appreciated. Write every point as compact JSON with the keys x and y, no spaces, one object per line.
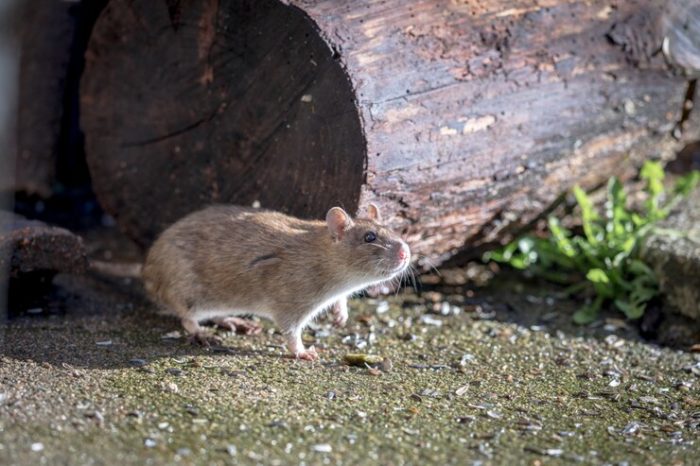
{"x":368,"y":248}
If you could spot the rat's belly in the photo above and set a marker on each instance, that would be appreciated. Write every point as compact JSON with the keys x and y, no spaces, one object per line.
{"x":208,"y":312}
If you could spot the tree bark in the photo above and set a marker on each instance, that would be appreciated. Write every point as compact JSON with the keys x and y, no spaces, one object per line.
{"x":462,"y":120}
{"x":29,"y":247}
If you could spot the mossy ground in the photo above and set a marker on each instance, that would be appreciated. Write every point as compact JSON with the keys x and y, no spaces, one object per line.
{"x":494,"y":376}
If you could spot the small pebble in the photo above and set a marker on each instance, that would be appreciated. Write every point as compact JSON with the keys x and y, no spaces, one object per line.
{"x":137,"y":362}
{"x":429,"y":320}
{"x":37,"y":446}
{"x":631,"y":428}
{"x":278,"y":423}
{"x":323,"y":448}
{"x":170,"y":387}
{"x":104,"y":343}
{"x":231,"y":450}
{"x":149,"y":443}
{"x":494,"y":414}
{"x":466,"y":358}
{"x":387,"y":365}
{"x":462,"y":390}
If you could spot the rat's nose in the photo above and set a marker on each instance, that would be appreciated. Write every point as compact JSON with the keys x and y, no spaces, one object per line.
{"x":403,"y":252}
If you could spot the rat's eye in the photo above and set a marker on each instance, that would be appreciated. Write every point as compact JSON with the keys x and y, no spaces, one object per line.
{"x":370,"y":236}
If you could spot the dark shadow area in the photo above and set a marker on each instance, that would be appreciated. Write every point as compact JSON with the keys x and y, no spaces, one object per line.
{"x":97,"y":321}
{"x":510,"y":296}
{"x":72,"y":203}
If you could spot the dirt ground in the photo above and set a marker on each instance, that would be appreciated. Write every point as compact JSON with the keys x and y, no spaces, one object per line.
{"x":475,"y":371}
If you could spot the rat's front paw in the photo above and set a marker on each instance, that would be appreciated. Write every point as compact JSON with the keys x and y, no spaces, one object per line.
{"x":238,"y":325}
{"x":308,"y":354}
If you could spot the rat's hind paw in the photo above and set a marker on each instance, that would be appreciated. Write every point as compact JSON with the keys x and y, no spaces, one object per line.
{"x":308,"y":354}
{"x":238,"y":325}
{"x":339,"y":311}
{"x":204,"y":339}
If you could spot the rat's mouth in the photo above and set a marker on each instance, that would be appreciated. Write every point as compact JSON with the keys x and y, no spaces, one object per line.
{"x":403,"y":264}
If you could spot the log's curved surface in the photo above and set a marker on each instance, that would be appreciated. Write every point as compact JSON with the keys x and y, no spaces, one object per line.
{"x":462,"y":119}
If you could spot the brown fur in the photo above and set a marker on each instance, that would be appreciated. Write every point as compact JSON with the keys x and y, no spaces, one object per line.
{"x":227,"y":260}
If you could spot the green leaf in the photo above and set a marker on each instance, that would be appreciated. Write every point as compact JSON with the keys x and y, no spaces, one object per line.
{"x":588,"y":313}
{"x":631,"y":310}
{"x":588,"y":215}
{"x":607,"y":252}
{"x":616,"y":209}
{"x":687,"y":183}
{"x":518,"y":262}
{"x":601,"y":282}
{"x":638,"y":267}
{"x":561,"y":237}
{"x":597,"y":276}
{"x":591,"y":254}
{"x":653,"y":173}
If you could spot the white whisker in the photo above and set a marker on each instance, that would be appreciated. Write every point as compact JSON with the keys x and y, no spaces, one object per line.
{"x":430,"y":263}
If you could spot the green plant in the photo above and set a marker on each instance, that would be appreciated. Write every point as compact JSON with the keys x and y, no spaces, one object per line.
{"x":602,"y":260}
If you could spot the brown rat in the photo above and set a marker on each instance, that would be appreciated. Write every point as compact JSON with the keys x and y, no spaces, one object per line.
{"x":224,"y":261}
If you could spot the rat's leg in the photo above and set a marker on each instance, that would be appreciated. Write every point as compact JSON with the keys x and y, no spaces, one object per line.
{"x":197,"y":334}
{"x":296,"y":346}
{"x":340,"y":312}
{"x":238,"y":325}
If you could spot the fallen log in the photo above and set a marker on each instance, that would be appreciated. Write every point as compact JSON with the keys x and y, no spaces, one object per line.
{"x":462,"y":120}
{"x":31,"y":254}
{"x":33,"y":247}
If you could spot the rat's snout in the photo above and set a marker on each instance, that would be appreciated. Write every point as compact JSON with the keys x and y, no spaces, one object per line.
{"x":404,"y":253}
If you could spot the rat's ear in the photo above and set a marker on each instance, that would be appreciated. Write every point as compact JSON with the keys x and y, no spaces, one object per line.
{"x":373,"y":213}
{"x":338,"y":221}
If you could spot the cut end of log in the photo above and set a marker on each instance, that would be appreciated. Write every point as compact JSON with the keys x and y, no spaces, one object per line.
{"x":231,"y":114}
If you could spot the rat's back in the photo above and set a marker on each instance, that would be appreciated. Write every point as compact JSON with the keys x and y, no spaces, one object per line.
{"x":224,"y":255}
